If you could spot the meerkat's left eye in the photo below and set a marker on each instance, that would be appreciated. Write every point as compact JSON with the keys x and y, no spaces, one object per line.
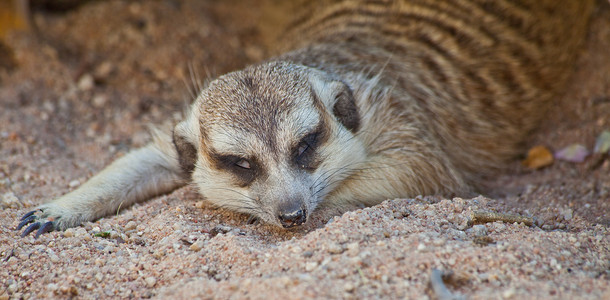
{"x":304,"y":152}
{"x":306,"y":145}
{"x":302,"y":148}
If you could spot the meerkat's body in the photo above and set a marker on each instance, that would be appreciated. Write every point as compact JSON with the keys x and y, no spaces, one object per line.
{"x":368,"y":100}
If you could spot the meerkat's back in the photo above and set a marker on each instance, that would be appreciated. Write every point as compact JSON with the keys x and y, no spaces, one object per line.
{"x":481,"y":72}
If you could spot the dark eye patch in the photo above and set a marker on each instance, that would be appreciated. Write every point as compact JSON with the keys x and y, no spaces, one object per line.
{"x":304,"y":153}
{"x":245,"y":170}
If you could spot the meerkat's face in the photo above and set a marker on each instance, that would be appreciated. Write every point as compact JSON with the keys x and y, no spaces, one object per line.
{"x":271,"y":141}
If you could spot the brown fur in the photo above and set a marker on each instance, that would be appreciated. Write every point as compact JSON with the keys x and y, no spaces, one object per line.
{"x":479,"y":74}
{"x":368,"y":100}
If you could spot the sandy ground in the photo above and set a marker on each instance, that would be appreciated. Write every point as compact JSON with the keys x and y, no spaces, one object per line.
{"x":81,"y":93}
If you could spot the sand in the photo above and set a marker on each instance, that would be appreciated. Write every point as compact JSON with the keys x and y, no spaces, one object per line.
{"x":80,"y":94}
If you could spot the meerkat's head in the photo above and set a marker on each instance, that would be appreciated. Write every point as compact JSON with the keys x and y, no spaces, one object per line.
{"x":272,"y":140}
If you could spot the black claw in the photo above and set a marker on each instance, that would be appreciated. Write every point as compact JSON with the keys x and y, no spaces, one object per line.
{"x":46,"y":227}
{"x":27,"y":215}
{"x":25,"y":221}
{"x":30,"y":229}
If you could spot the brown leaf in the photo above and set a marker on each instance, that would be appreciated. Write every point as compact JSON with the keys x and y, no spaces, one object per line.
{"x":538,"y":157}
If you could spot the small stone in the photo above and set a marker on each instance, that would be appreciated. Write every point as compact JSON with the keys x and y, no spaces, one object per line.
{"x":479,"y":230}
{"x":161,"y":252}
{"x":69,"y":232}
{"x":131,"y":225}
{"x":86,"y":82}
{"x":196,"y":246}
{"x":335,"y":248}
{"x":53,"y":258}
{"x":310,"y":266}
{"x":80,"y":233}
{"x":99,"y":262}
{"x":100,"y":100}
{"x":348,"y":287}
{"x":74,"y":183}
{"x":150,"y":281}
{"x":104,"y":69}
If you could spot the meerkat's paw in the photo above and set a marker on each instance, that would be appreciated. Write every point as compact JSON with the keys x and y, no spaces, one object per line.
{"x":35,"y":217}
{"x":46,"y":218}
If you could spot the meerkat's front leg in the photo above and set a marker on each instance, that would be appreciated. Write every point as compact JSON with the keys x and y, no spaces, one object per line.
{"x":139,"y":175}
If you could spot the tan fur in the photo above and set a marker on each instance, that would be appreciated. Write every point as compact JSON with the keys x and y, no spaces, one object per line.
{"x":398,"y":98}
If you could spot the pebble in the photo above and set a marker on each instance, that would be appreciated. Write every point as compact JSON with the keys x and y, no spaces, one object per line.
{"x":100,"y":100}
{"x":131,"y":225}
{"x":310,"y":266}
{"x":52,"y":287}
{"x":479,"y":230}
{"x":81,"y":233}
{"x":86,"y":82}
{"x":150,"y":281}
{"x":349,"y":287}
{"x":74,"y":183}
{"x":196,"y":246}
{"x":335,"y":248}
{"x":54,"y":258}
{"x":69,"y":232}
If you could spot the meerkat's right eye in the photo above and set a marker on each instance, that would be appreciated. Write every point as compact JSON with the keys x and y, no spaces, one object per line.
{"x":234,"y":162}
{"x":243,"y":163}
{"x":245,"y":170}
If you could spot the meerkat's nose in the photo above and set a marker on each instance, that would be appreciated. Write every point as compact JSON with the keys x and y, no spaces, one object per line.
{"x":292,"y":217}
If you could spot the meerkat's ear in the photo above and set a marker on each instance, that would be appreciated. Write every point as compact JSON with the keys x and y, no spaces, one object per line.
{"x":339,"y":99}
{"x":185,"y":147}
{"x":345,"y":109}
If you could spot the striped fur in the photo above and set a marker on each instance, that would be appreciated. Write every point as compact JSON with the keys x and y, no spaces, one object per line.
{"x":481,"y":73}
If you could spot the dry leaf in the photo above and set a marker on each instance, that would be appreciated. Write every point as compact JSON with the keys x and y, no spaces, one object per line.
{"x":538,"y":157}
{"x":602,"y":144}
{"x":573,"y":153}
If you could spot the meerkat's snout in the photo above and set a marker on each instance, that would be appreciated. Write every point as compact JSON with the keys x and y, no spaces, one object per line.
{"x":292,"y":213}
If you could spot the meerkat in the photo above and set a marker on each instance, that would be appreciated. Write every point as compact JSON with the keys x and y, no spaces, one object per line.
{"x":372,"y":100}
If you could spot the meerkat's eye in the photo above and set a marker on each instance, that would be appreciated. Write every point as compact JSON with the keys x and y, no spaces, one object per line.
{"x":242,"y":163}
{"x":306,"y":145}
{"x":234,"y":162}
{"x":302,"y":148}
{"x":245,"y":170}
{"x":305,"y":151}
